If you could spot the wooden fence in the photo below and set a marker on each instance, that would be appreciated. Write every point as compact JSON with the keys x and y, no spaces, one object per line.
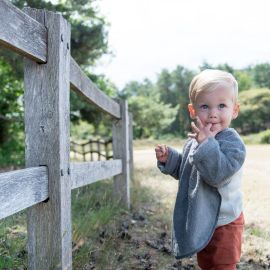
{"x":44,"y":186}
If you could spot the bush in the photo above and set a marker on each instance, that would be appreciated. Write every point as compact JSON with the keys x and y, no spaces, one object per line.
{"x":265,"y":136}
{"x":254,"y":112}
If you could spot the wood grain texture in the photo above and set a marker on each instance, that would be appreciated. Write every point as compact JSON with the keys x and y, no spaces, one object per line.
{"x":120,"y":133}
{"x":47,"y":143}
{"x":130,"y":145}
{"x":21,"y":33}
{"x":21,"y":189}
{"x":84,"y":173}
{"x":82,"y":85}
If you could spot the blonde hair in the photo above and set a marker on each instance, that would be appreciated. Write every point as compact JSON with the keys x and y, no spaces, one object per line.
{"x":210,"y":80}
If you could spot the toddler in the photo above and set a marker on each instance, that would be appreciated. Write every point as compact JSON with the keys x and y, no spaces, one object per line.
{"x":208,"y":215}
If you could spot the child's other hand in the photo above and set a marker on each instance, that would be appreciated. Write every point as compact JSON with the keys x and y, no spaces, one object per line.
{"x":162,"y":153}
{"x":201,"y":132}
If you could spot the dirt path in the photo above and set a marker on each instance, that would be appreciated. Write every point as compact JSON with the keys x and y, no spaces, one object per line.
{"x":256,"y":189}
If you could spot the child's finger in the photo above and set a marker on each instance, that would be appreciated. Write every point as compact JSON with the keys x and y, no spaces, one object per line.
{"x":208,"y":126}
{"x":195,"y":129}
{"x":199,"y":122}
{"x":166,"y":150}
{"x":192,"y":135}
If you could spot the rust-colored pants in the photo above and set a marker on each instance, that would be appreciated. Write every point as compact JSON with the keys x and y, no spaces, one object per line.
{"x":224,"y":249}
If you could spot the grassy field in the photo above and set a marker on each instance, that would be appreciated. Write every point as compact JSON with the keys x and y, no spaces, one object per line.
{"x":107,"y":236}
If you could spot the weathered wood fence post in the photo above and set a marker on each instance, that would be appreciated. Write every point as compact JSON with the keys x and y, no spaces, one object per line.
{"x":130,"y":127}
{"x":47,"y":143}
{"x":120,"y":142}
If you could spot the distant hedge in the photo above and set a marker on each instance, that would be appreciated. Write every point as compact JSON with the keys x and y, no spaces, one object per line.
{"x":265,"y":136}
{"x":254,"y":113}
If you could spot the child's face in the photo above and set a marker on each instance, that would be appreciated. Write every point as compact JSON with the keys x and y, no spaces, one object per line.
{"x":216,"y":107}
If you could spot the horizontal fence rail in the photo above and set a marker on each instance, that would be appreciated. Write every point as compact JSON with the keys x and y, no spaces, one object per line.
{"x":84,"y":173}
{"x":21,"y":189}
{"x":21,"y":33}
{"x":81,"y":84}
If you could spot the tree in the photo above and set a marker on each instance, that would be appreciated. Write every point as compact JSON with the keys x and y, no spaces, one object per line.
{"x":165,"y":87}
{"x":182,"y":78}
{"x":255,"y":111}
{"x":11,"y":115}
{"x":133,"y":88}
{"x":150,"y":117}
{"x":80,"y":109}
{"x":262,"y":75}
{"x":173,"y":90}
{"x":244,"y":80}
{"x":88,"y":43}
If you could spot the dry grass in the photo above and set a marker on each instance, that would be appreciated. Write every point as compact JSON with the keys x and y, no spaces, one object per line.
{"x":256,"y":189}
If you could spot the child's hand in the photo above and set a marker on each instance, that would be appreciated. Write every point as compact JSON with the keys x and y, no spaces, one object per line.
{"x":201,"y":132}
{"x":162,"y":153}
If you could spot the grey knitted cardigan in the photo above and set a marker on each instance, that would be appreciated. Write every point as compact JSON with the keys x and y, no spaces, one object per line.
{"x":201,"y":169}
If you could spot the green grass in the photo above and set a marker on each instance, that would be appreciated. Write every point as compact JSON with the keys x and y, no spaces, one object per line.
{"x":13,"y":235}
{"x":92,"y":208}
{"x":257,"y":231}
{"x":94,"y":214}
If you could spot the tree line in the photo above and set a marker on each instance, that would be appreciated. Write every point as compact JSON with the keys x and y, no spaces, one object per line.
{"x":159,"y":107}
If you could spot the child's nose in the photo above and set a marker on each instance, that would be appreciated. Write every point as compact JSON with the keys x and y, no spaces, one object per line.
{"x":213,"y":113}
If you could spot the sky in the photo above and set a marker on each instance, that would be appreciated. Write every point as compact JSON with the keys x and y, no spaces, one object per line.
{"x":147,"y":36}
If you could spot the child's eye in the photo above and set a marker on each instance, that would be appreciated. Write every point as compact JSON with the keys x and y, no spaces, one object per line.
{"x":204,"y":107}
{"x":222,"y":105}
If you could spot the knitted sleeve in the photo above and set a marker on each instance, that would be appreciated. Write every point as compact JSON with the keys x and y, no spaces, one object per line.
{"x":172,"y":165}
{"x":218,"y":158}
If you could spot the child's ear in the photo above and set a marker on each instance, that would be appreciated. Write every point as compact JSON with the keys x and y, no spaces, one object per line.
{"x":191,"y":110}
{"x":236,"y":110}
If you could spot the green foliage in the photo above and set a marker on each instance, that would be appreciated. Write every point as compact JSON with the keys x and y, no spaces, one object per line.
{"x":88,"y":28}
{"x":255,"y":111}
{"x":11,"y":117}
{"x":150,"y":114}
{"x":182,"y":78}
{"x":88,"y":43}
{"x":81,"y":130}
{"x":262,"y":75}
{"x":80,"y":109}
{"x":255,"y":138}
{"x":150,"y":117}
{"x":265,"y":136}
{"x":173,"y":89}
{"x":244,"y":80}
{"x":145,"y":89}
